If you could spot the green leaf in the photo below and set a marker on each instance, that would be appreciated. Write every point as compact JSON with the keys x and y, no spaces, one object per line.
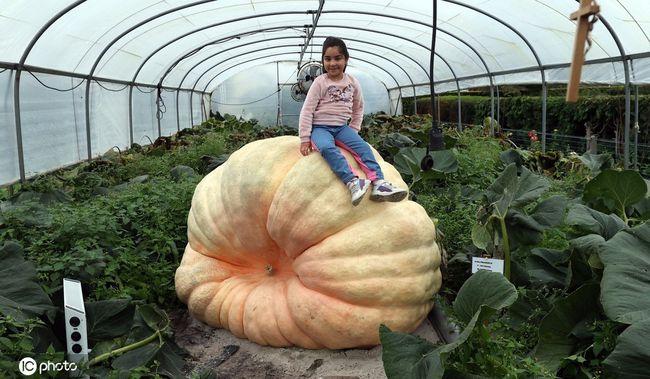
{"x":480,"y":236}
{"x":620,"y":188}
{"x":171,"y":361}
{"x":20,"y":295}
{"x":407,"y":356}
{"x":632,"y":353}
{"x":596,"y":162}
{"x":410,"y":357}
{"x":626,"y":278}
{"x":502,"y":191}
{"x":555,"y":342}
{"x":407,"y":162}
{"x":547,"y":266}
{"x":444,"y":161}
{"x":590,"y":221}
{"x":550,"y":212}
{"x":155,"y":318}
{"x":483,"y":288}
{"x":109,"y":318}
{"x":136,"y":358}
{"x":530,"y":186}
{"x":589,"y":244}
{"x":511,"y":156}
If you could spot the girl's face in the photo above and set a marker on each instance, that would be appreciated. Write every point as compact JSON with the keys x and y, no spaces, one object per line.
{"x":334,"y":62}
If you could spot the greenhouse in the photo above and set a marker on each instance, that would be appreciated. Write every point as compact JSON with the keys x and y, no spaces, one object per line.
{"x":446,"y":188}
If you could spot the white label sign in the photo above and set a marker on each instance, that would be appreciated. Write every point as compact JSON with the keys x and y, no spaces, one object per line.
{"x":489,"y":264}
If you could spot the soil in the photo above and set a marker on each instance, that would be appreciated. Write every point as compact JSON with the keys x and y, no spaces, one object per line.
{"x":226,"y":356}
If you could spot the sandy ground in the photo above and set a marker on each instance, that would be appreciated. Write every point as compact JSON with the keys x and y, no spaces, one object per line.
{"x":231,"y":357}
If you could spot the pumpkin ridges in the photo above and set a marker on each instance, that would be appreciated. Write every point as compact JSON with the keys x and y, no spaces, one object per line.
{"x":338,"y":325}
{"x":236,"y":285}
{"x":195,"y":269}
{"x":260,"y":322}
{"x":298,"y":336}
{"x":404,"y":291}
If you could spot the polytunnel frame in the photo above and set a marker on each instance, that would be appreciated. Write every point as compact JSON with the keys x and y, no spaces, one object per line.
{"x":288,"y":53}
{"x":280,"y":38}
{"x":313,"y":27}
{"x":18,"y":68}
{"x":298,"y":45}
{"x":90,"y":76}
{"x":287,"y":37}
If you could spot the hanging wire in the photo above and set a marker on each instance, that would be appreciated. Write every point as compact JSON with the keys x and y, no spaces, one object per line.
{"x":161,"y":108}
{"x":265,"y":97}
{"x":108,"y":89}
{"x":4,"y":70}
{"x":138,"y":88}
{"x":52,"y":88}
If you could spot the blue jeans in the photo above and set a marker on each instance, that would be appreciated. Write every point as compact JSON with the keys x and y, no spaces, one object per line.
{"x":327,"y":138}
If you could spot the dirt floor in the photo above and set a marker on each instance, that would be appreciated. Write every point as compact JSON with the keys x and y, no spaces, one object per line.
{"x":231,"y":357}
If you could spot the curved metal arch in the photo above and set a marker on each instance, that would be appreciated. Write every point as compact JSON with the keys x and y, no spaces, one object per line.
{"x":273,"y":47}
{"x":175,"y":63}
{"x":351,"y":39}
{"x":21,"y":65}
{"x":109,"y":45}
{"x":196,"y":82}
{"x":283,"y":13}
{"x":272,"y":55}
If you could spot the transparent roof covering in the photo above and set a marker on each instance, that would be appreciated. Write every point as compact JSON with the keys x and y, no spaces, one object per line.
{"x":79,"y":77}
{"x":191,"y":42}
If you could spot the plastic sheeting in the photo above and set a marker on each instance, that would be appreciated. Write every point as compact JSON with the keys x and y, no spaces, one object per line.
{"x":200,"y":45}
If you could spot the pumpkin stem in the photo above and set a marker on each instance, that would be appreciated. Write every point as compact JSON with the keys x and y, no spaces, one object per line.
{"x":269,"y":269}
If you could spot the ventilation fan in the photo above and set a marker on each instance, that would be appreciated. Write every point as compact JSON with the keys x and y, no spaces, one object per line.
{"x":306,"y":75}
{"x":297,"y":94}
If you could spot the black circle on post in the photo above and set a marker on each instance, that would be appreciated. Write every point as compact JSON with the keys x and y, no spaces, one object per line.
{"x":76,"y":336}
{"x":74,"y":321}
{"x":76,"y":348}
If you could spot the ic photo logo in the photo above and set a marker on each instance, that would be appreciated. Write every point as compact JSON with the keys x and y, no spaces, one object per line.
{"x":28,"y":366}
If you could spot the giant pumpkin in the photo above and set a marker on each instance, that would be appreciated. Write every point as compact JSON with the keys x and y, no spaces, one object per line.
{"x":277,"y":253}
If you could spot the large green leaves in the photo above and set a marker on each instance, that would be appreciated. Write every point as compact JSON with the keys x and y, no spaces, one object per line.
{"x":484,"y":288}
{"x":632,"y":353}
{"x":20,"y":295}
{"x":626,"y":279}
{"x":108,"y":319}
{"x":555,"y":340}
{"x":406,"y":356}
{"x":615,"y":190}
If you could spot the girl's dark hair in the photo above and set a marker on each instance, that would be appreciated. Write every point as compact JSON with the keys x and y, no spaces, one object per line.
{"x":334,"y":42}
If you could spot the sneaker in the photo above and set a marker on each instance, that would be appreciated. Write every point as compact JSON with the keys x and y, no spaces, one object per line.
{"x":386,"y":191}
{"x":358,"y":188}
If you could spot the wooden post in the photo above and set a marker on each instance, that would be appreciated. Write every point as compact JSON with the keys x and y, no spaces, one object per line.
{"x":587,"y":8}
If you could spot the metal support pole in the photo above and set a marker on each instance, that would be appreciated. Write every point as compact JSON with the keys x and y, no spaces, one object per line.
{"x":491,"y":107}
{"x":19,"y":130}
{"x":636,"y":127}
{"x":498,"y":118}
{"x":460,"y":114}
{"x":626,"y":147}
{"x":131,"y":115}
{"x":191,"y":109}
{"x":544,"y":98}
{"x":87,"y":108}
{"x":415,"y":102}
{"x":278,"y":119}
{"x":401,"y":96}
{"x":178,"y":117}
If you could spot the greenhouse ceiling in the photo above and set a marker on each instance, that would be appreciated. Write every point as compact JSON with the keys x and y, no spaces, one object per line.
{"x":78,"y":78}
{"x":190,"y":44}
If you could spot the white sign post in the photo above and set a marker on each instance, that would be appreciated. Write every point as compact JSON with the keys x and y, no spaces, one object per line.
{"x":489,"y":264}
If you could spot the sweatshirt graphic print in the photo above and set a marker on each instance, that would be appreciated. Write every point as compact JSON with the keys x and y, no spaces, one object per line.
{"x":331,"y":103}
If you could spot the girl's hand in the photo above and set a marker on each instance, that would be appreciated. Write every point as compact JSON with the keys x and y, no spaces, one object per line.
{"x":305,"y":148}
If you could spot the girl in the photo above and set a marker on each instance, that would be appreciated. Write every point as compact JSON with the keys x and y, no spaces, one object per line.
{"x":333,"y":98}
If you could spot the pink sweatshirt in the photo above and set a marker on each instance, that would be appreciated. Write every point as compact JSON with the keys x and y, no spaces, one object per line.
{"x":331,"y":103}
